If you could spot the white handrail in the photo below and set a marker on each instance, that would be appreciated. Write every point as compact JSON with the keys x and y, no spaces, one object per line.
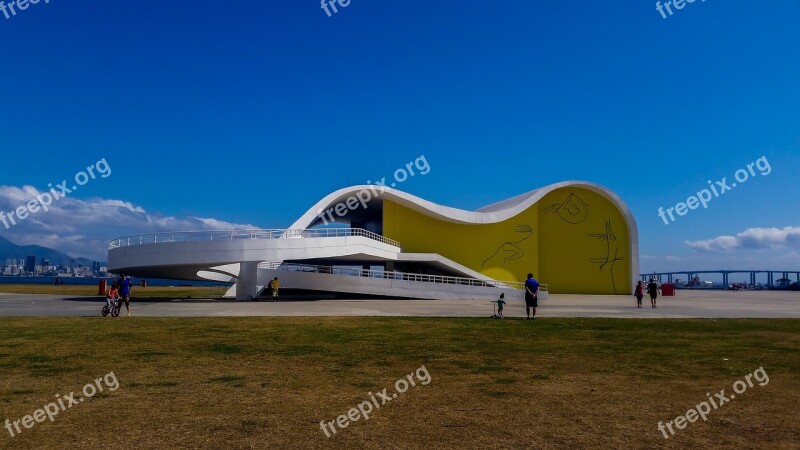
{"x":216,"y":235}
{"x":367,"y":273}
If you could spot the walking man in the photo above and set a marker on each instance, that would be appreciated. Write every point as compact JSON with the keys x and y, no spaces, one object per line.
{"x":652,"y":289}
{"x":125,"y":291}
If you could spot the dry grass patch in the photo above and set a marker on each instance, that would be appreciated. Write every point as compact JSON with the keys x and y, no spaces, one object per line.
{"x":267,"y":382}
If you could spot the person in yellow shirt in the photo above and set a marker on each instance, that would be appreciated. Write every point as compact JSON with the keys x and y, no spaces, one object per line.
{"x":275,"y":286}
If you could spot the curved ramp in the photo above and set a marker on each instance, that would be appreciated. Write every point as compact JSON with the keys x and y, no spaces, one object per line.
{"x":388,"y":284}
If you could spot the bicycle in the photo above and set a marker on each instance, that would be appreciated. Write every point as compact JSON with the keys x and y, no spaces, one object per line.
{"x":112,"y":309}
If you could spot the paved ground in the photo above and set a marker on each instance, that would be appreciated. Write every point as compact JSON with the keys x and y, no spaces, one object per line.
{"x":687,"y":304}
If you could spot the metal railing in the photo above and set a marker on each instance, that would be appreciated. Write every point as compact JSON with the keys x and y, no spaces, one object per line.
{"x":367,"y":273}
{"x":188,"y":236}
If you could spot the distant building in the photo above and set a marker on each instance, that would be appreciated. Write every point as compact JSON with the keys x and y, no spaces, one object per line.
{"x":30,"y":264}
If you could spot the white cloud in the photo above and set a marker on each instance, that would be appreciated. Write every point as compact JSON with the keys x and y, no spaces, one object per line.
{"x":83,"y":227}
{"x":752,"y":238}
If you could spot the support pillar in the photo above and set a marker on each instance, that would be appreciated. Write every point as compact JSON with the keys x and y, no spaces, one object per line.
{"x":247,"y":281}
{"x":388,"y":266}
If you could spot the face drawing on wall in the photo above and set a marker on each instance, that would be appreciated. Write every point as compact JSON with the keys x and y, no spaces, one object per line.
{"x":572,"y":210}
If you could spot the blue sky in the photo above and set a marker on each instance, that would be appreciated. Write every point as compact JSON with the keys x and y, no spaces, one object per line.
{"x":248,"y":112}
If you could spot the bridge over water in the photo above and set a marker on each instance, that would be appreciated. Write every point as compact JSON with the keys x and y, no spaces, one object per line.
{"x":691,"y":274}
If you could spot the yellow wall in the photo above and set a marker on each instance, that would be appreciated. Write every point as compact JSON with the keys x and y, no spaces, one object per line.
{"x":575,"y":244}
{"x":559,"y":250}
{"x":492,"y":249}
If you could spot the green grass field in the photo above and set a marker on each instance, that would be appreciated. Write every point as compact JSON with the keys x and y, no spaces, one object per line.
{"x":268,"y":382}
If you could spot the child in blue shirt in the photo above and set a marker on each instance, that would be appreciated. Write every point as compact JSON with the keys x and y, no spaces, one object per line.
{"x":500,"y":303}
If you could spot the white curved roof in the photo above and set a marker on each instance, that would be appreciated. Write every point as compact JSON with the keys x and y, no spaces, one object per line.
{"x":497,"y":212}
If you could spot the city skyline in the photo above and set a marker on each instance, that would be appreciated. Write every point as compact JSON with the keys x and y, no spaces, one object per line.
{"x":29,"y":267}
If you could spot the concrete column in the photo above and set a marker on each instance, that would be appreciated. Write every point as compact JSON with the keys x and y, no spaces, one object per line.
{"x":247,"y":281}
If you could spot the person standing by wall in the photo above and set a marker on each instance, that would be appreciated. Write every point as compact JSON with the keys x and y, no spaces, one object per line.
{"x":531,"y":297}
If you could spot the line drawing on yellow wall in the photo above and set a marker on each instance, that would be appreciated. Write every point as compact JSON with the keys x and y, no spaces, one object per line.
{"x":611,"y":242}
{"x":510,"y":248}
{"x":572,"y":210}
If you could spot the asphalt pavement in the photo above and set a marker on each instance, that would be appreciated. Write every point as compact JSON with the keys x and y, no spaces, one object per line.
{"x":686,"y":304}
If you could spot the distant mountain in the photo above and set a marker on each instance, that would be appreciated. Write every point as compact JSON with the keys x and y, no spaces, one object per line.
{"x":11,"y":250}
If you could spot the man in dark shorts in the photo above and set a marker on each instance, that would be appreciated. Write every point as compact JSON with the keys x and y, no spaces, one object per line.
{"x":652,"y":289}
{"x":125,"y":292}
{"x":531,"y":298}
